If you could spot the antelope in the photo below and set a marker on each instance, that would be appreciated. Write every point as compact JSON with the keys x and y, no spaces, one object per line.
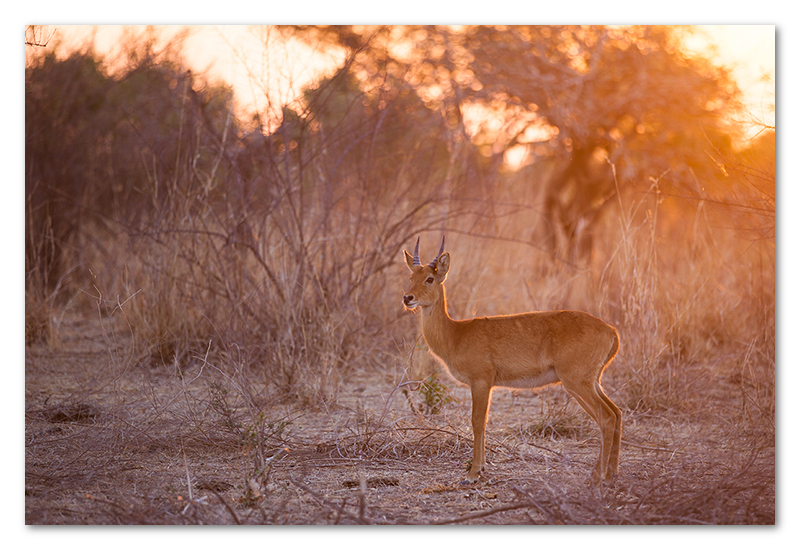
{"x":523,"y":351}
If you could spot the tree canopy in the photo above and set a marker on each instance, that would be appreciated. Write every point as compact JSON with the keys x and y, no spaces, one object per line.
{"x":574,"y":98}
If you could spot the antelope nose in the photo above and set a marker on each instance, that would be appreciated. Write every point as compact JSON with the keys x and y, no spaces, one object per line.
{"x":408,"y":298}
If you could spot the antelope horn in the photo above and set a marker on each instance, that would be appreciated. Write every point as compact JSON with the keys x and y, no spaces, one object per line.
{"x":441,"y":250}
{"x":416,"y":254}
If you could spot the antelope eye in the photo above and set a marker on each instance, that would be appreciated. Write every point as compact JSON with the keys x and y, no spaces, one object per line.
{"x":429,"y":280}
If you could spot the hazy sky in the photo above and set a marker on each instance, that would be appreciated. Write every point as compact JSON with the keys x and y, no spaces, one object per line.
{"x":750,"y":51}
{"x":235,"y":54}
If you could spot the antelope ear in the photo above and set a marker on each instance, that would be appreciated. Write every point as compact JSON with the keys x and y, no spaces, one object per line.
{"x":442,"y":267}
{"x":409,"y":260}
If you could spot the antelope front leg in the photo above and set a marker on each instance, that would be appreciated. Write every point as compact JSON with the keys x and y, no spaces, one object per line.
{"x":481,"y":394}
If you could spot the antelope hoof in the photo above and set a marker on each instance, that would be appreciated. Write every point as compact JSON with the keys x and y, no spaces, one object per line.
{"x":472,"y":479}
{"x":597,"y":480}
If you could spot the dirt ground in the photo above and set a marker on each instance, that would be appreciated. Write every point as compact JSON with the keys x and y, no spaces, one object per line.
{"x":113,"y":439}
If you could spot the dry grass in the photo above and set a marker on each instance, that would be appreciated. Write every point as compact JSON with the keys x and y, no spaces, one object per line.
{"x":174,"y":397}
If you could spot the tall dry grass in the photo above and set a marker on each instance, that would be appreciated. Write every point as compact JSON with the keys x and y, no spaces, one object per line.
{"x":304,"y":311}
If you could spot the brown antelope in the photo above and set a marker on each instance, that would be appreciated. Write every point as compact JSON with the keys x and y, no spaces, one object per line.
{"x":528,"y":350}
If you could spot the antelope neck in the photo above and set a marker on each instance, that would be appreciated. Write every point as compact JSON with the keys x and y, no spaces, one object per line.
{"x":438,"y":327}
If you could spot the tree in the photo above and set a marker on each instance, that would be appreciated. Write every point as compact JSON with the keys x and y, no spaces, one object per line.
{"x":64,"y":120}
{"x":576,"y":98}
{"x":100,"y":147}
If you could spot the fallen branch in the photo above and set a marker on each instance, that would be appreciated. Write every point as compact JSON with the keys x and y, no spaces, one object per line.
{"x":361,"y":519}
{"x":481,"y":514}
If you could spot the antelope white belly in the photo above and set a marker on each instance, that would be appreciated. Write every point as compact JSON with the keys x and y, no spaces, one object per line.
{"x":530,"y":382}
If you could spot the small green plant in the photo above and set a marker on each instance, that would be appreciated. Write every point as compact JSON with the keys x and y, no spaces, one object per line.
{"x":260,"y":430}
{"x":560,"y":424}
{"x":436,"y":394}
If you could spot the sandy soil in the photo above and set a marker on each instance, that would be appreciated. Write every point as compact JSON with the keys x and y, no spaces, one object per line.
{"x":112,"y":438}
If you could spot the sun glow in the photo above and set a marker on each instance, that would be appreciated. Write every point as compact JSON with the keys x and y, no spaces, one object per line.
{"x":749,"y":52}
{"x":267,"y":71}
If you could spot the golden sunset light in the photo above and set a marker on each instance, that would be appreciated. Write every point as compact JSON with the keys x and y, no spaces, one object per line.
{"x":266,"y":72}
{"x":749,"y":51}
{"x":400,"y":274}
